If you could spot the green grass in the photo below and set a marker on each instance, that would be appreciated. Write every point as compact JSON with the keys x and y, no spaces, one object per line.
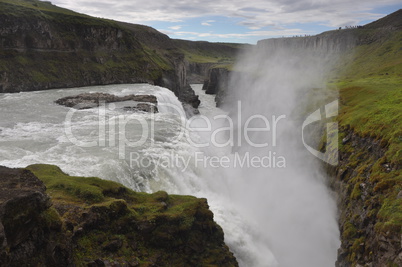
{"x":95,"y":191}
{"x":376,"y":59}
{"x":372,"y":107}
{"x":39,"y":6}
{"x":45,"y":10}
{"x":48,"y":11}
{"x":205,"y":57}
{"x":370,"y":86}
{"x":59,"y":185}
{"x":220,"y":54}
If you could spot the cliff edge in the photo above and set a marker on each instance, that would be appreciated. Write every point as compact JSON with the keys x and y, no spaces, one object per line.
{"x":60,"y":220}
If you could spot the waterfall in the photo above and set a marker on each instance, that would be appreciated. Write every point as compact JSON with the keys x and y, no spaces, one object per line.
{"x":168,"y":102}
{"x":272,"y":90}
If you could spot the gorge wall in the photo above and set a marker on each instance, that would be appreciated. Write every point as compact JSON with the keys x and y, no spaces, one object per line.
{"x":327,"y":42}
{"x":364,"y":181}
{"x":43,"y":47}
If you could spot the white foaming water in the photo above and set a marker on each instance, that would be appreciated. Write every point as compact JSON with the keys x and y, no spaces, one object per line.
{"x":32,"y":130}
{"x":291,"y":207}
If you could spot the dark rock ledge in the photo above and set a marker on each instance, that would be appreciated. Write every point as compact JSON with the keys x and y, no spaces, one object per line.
{"x":48,"y":218}
{"x":90,"y":100}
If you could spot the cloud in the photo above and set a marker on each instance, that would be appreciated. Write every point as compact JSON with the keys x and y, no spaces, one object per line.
{"x":334,"y":13}
{"x":177,"y":27}
{"x":254,"y":15}
{"x":246,"y":35}
{"x":206,"y":24}
{"x":253,"y":9}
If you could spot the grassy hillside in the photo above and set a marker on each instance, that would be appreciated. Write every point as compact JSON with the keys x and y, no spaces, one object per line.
{"x":371,"y":92}
{"x":219,"y":54}
{"x":370,"y":118}
{"x":45,"y":9}
{"x":43,"y":46}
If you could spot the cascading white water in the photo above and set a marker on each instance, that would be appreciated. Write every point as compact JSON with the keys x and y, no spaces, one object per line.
{"x":291,"y":207}
{"x":271,"y":216}
{"x":40,"y":137}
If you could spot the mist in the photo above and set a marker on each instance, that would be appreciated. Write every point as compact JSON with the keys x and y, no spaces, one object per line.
{"x":291,"y":209}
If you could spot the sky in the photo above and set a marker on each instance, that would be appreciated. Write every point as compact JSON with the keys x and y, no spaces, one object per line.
{"x":237,"y":21}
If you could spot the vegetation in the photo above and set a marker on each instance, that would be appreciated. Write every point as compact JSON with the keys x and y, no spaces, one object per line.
{"x":370,"y":88}
{"x":221,"y":55}
{"x":79,"y":49}
{"x":110,"y":222}
{"x":46,"y":10}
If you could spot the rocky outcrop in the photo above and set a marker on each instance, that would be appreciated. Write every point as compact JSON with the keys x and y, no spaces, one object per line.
{"x":93,"y":222}
{"x":198,"y":72}
{"x":26,"y":235}
{"x":91,"y":100}
{"x":217,"y":80}
{"x":142,"y":107}
{"x":217,"y":83}
{"x":367,"y":201}
{"x":184,"y":92}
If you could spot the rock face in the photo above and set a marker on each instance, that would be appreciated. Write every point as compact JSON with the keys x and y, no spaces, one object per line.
{"x":142,"y":107}
{"x":26,"y":238}
{"x":370,"y":237}
{"x":94,"y":222}
{"x":217,"y":80}
{"x":327,"y":42}
{"x":198,"y":72}
{"x":217,"y":83}
{"x":91,"y":100}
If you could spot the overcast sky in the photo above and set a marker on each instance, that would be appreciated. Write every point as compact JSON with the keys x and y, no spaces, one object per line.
{"x":242,"y":21}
